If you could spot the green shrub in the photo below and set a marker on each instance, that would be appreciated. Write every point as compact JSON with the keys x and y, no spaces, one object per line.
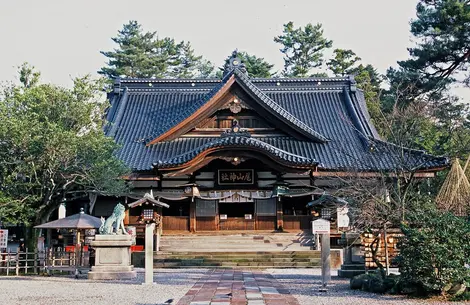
{"x":358,"y":281}
{"x":391,"y":282}
{"x":372,"y":282}
{"x":461,"y":297}
{"x":433,"y":252}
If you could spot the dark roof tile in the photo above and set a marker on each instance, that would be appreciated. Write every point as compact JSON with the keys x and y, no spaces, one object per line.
{"x":142,"y":112}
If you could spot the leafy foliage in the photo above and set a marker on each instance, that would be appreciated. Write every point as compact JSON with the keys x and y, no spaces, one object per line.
{"x":437,"y":60}
{"x":443,"y":33}
{"x":52,"y":147}
{"x":434,"y":251}
{"x":302,"y":48}
{"x":146,"y":55}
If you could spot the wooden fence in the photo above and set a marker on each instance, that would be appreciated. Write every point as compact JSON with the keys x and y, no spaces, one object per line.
{"x":16,"y":263}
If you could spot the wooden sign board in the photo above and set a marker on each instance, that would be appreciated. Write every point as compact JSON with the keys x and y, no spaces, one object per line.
{"x":236,"y":176}
{"x":3,"y":239}
{"x":320,"y":226}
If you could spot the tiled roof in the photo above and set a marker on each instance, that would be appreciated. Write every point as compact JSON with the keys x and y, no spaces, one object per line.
{"x":275,"y":107}
{"x":327,"y":108}
{"x":240,"y":142}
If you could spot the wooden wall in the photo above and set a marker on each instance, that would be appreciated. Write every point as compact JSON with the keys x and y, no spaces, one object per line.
{"x":176,"y":223}
{"x":236,"y":223}
{"x":205,"y":223}
{"x":299,"y":222}
{"x":265,"y":222}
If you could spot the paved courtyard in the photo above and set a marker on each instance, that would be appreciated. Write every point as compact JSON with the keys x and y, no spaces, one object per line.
{"x":194,"y":287}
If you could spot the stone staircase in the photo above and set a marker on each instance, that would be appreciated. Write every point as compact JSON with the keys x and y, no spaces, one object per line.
{"x":242,"y":250}
{"x":245,"y":260}
{"x":241,"y":242}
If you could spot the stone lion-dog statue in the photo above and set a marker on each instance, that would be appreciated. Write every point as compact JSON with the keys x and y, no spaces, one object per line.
{"x":117,"y":218}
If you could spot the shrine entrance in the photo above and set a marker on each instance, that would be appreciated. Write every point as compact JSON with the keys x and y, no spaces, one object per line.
{"x":235,"y":212}
{"x":236,"y":216}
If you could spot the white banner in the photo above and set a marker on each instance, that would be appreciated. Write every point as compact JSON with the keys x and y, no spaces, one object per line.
{"x":3,"y":239}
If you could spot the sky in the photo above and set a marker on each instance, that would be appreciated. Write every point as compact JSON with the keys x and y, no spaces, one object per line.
{"x":62,"y":38}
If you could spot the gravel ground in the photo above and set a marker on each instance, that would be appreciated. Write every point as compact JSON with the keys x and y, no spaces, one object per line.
{"x":304,"y":285}
{"x":66,"y":290}
{"x":173,"y":284}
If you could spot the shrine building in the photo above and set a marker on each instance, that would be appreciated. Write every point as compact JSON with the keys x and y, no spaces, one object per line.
{"x":242,"y":153}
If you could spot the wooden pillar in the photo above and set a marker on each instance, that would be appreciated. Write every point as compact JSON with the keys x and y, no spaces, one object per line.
{"x":126,"y":217}
{"x":255,"y":214}
{"x":217,"y":217}
{"x":192,"y":216}
{"x":279,"y":213}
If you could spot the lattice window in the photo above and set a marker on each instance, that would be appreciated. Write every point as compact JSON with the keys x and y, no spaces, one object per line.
{"x":266,"y":207}
{"x":205,"y":208}
{"x":326,"y":213}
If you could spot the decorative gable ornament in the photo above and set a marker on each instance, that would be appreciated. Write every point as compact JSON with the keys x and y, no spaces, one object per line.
{"x":235,"y":106}
{"x":234,"y":63}
{"x":235,"y":130}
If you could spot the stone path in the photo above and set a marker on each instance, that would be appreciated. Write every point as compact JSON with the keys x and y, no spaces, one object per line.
{"x":233,"y":287}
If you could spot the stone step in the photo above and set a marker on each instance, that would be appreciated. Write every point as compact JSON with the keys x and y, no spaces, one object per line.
{"x":228,"y":235}
{"x":228,"y":255}
{"x":189,"y":264}
{"x":238,"y":260}
{"x":253,"y":259}
{"x":234,"y":267}
{"x":262,"y":240}
{"x":350,"y":273}
{"x":353,"y":267}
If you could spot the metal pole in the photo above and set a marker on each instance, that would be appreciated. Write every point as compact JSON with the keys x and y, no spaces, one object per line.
{"x":149,"y":231}
{"x":325,"y":260}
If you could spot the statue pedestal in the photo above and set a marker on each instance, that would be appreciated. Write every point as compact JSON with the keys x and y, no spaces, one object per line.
{"x":112,"y":258}
{"x":353,"y":258}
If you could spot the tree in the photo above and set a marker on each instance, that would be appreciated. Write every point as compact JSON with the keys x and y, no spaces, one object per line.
{"x":138,"y":54}
{"x":343,"y":62}
{"x":52,"y":148}
{"x":386,"y":200}
{"x":186,"y":64}
{"x":440,"y":55}
{"x":146,"y":55}
{"x":302,"y":48}
{"x":433,"y":252}
{"x":206,"y":69}
{"x":255,"y":66}
{"x":443,"y":41}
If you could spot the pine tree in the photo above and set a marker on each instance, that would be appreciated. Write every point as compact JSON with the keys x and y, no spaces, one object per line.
{"x":343,"y":62}
{"x":206,"y":69}
{"x":442,"y":33}
{"x":186,"y":63}
{"x":302,"y":48}
{"x":146,"y":55}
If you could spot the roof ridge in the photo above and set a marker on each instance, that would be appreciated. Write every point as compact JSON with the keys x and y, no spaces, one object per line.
{"x":234,"y":140}
{"x":276,"y":107}
{"x":194,"y":107}
{"x":216,"y":80}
